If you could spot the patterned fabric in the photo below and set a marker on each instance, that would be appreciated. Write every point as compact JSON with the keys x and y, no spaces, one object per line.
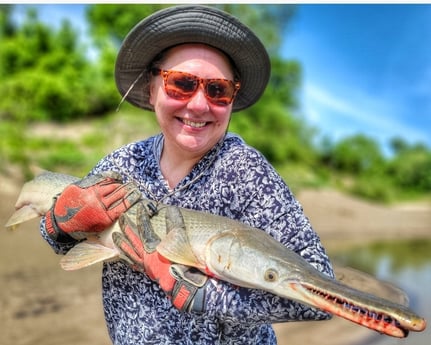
{"x":232,"y":180}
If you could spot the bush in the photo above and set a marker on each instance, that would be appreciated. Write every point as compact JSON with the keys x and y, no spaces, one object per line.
{"x":411,"y":169}
{"x":46,"y":75}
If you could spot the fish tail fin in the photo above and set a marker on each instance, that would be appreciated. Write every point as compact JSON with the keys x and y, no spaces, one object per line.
{"x":85,"y":254}
{"x":21,"y":215}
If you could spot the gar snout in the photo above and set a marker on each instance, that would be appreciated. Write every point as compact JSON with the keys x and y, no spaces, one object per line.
{"x":362,"y":308}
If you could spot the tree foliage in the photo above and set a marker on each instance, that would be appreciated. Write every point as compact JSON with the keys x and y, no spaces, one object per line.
{"x":112,"y":22}
{"x":357,"y":154}
{"x":376,"y":176}
{"x":48,"y":74}
{"x":270,"y":125}
{"x":411,"y":165}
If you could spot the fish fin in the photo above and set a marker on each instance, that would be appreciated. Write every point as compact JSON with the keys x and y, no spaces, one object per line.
{"x":176,"y":248}
{"x":85,"y":254}
{"x":21,"y":215}
{"x":174,"y":219}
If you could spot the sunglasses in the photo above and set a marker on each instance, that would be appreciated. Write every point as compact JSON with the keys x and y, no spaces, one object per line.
{"x":182,"y":86}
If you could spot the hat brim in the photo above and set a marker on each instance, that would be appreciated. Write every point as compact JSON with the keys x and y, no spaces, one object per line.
{"x":191,"y":24}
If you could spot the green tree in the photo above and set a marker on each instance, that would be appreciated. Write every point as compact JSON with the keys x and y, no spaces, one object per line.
{"x":112,"y":22}
{"x":6,"y":26}
{"x":357,"y":154}
{"x":271,"y":125}
{"x":46,"y":74}
{"x":411,"y":165}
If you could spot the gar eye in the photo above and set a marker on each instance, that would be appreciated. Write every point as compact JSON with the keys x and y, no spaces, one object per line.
{"x":271,"y":275}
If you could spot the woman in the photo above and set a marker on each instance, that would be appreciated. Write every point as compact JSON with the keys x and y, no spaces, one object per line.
{"x":193,"y":66}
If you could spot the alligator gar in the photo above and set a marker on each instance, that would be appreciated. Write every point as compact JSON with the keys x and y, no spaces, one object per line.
{"x":224,"y":248}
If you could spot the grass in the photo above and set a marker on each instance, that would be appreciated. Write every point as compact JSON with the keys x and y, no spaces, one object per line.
{"x":72,"y":148}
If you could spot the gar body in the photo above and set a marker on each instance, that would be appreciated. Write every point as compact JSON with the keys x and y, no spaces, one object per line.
{"x":225,"y":248}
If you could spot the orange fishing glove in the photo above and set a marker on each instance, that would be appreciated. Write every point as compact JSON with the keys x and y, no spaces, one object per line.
{"x":89,"y":205}
{"x":137,"y":242}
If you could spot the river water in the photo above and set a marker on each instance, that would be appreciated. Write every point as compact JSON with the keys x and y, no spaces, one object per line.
{"x":407,"y":264}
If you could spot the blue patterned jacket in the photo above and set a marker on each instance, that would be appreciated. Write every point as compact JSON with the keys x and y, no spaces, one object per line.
{"x":232,"y":180}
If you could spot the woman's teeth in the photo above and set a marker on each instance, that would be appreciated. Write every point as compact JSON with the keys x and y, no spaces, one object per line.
{"x":194,"y":124}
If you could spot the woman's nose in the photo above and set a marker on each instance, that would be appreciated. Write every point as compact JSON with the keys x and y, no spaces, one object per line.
{"x":198,"y":103}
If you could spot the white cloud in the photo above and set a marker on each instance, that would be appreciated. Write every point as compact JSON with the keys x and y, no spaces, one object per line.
{"x":352,"y":112}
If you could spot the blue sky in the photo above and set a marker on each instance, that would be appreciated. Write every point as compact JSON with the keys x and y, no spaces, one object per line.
{"x":366,"y":68}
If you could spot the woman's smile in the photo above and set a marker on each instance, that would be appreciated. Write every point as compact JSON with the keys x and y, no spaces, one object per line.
{"x":192,"y":124}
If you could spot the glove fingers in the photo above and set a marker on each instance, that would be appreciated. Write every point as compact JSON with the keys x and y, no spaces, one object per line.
{"x":146,"y":231}
{"x":117,"y":198}
{"x":112,"y":175}
{"x":131,"y":233}
{"x":127,"y":253}
{"x":190,"y":274}
{"x":92,"y":180}
{"x":133,"y":195}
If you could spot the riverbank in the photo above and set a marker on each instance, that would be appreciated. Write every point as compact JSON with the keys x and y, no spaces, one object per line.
{"x":41,"y":304}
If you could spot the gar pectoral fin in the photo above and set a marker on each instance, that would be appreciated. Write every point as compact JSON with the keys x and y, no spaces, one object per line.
{"x":21,"y":215}
{"x":176,"y":245}
{"x":85,"y":254}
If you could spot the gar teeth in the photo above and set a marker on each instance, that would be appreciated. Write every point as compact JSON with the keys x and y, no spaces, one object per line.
{"x":194,"y":124}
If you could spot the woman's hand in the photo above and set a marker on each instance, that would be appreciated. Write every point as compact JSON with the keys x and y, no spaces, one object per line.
{"x":137,"y":243}
{"x":89,"y":205}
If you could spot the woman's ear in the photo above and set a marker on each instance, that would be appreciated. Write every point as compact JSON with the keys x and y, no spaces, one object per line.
{"x":151,"y":91}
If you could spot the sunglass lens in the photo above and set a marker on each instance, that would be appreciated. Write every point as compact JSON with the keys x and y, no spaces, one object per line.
{"x":220,"y":91}
{"x":181,"y":86}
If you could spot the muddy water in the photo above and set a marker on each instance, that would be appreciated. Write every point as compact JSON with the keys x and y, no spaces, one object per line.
{"x":406,"y":264}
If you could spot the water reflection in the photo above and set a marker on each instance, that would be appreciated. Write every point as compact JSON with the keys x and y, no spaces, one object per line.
{"x":406,"y":264}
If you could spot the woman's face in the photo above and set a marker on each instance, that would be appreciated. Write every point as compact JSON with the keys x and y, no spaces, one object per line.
{"x":192,"y":126}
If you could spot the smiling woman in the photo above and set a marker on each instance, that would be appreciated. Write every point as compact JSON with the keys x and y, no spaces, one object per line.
{"x":193,"y":66}
{"x":192,"y":123}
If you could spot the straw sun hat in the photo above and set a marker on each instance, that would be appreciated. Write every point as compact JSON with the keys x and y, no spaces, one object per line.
{"x":191,"y":24}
